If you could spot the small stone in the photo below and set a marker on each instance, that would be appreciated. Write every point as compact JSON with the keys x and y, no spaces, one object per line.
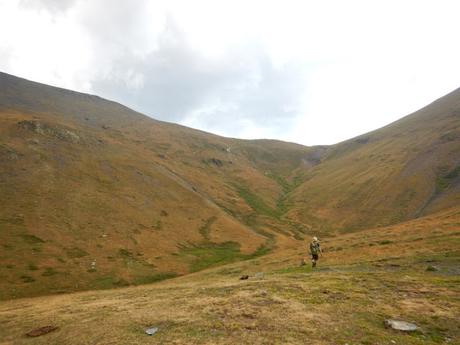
{"x":400,"y":325}
{"x":151,"y":330}
{"x":259,"y":275}
{"x":245,"y":277}
{"x":393,"y":342}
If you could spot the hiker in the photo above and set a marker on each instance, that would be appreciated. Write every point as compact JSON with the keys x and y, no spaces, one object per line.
{"x":315,"y":250}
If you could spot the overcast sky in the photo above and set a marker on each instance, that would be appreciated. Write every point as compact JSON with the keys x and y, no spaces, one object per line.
{"x":312,"y":72}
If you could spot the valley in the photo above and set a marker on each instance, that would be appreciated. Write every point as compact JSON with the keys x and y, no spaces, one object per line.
{"x":112,"y":222}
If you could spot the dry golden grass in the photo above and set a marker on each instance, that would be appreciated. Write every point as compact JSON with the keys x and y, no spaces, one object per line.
{"x":344,"y":301}
{"x":133,"y":207}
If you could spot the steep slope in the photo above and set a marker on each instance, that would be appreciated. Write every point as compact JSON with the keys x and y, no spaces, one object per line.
{"x":405,"y":170}
{"x":96,"y":195}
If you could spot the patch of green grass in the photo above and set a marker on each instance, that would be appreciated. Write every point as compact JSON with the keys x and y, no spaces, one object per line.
{"x":444,"y":181}
{"x":441,"y":184}
{"x":120,"y":282}
{"x":435,"y":330}
{"x":294,"y":269}
{"x":261,"y":250}
{"x":256,"y":202}
{"x":281,"y":182}
{"x":106,"y":282}
{"x":134,"y":262}
{"x":154,"y":278}
{"x":206,"y":227}
{"x":213,"y":254}
{"x":281,"y":206}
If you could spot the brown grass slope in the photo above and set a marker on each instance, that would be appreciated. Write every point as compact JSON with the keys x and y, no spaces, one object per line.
{"x":95,"y":195}
{"x":405,"y":170}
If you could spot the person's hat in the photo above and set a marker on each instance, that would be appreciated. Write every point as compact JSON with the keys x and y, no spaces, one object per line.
{"x":315,"y":238}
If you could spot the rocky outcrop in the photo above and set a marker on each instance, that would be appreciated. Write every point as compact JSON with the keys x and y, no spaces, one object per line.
{"x":50,"y":130}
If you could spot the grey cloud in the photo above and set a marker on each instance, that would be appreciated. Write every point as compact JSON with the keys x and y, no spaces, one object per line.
{"x":175,"y":82}
{"x":117,"y":25}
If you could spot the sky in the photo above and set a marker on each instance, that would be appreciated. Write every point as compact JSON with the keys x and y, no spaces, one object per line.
{"x":311,"y":72}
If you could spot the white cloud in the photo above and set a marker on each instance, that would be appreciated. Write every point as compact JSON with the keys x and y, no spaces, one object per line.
{"x":52,"y":6}
{"x":314,"y":72}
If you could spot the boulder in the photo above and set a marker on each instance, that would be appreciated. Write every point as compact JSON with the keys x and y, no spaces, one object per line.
{"x":151,"y":330}
{"x":400,"y":325}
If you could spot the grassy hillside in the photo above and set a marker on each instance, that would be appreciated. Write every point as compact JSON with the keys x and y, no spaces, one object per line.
{"x":403,"y":171}
{"x":96,"y":196}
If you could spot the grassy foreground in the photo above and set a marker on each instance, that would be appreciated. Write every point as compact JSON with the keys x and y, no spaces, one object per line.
{"x":363,"y":279}
{"x":339,"y":305}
